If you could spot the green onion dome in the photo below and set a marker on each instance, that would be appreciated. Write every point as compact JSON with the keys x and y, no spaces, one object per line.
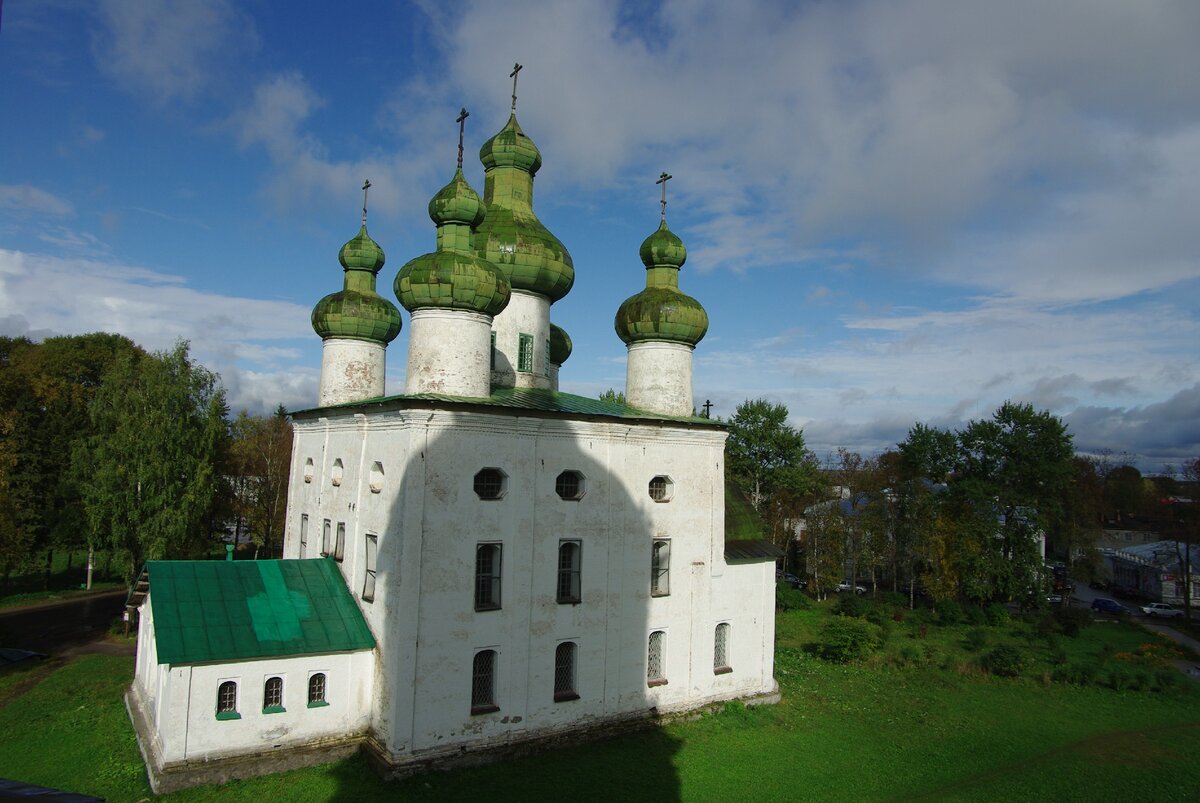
{"x":662,"y":312}
{"x":511,"y":237}
{"x":560,"y":345}
{"x":357,"y":311}
{"x":511,"y":148}
{"x":453,"y":276}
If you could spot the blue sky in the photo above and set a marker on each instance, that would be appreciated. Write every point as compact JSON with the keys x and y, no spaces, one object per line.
{"x":895,"y":211}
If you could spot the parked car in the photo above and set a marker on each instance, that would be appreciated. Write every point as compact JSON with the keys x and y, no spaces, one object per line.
{"x":1162,"y":609}
{"x":1106,"y":605}
{"x":845,"y":586}
{"x":790,"y":579}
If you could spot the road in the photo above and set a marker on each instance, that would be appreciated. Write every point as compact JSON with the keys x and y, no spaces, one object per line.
{"x":61,"y":626}
{"x":1083,"y":596}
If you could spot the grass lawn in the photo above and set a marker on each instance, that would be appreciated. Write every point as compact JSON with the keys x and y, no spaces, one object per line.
{"x":893,"y":726}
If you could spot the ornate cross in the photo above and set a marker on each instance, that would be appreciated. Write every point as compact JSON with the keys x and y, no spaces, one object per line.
{"x":462,"y":121}
{"x":663,"y":179}
{"x":513,"y":75}
{"x":366,"y":186}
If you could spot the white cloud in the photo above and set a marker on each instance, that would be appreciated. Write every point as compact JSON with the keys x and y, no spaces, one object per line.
{"x":170,"y":51}
{"x":25,"y":199}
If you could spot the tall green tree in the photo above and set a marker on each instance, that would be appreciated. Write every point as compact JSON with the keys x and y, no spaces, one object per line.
{"x":766,"y":455}
{"x":148,"y":470}
{"x":260,"y":457}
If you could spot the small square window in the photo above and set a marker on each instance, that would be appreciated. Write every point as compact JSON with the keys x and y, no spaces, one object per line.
{"x":490,"y":483}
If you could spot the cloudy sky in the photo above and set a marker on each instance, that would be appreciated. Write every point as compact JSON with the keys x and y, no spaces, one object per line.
{"x":895,"y":211}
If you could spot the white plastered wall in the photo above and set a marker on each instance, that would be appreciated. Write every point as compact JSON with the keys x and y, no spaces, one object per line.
{"x":429,"y":522}
{"x":526,"y":313}
{"x":658,"y":377}
{"x":351,"y":370}
{"x":450,"y":352}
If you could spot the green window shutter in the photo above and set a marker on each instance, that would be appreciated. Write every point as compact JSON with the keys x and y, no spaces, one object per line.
{"x":525,"y":353}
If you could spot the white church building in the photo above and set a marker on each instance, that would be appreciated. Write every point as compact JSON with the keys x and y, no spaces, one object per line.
{"x":479,"y":566}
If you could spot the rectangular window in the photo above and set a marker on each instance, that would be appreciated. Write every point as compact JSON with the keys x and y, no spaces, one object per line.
{"x":339,"y":551}
{"x":483,"y":683}
{"x":660,"y":569}
{"x":227,"y":701}
{"x":525,"y":353}
{"x":273,"y":696}
{"x":569,"y":571}
{"x":564,"y":672}
{"x":655,"y":664}
{"x":303,"y":534}
{"x":368,"y":593}
{"x":493,"y":365}
{"x":326,"y":546}
{"x":316,"y":690}
{"x":487,"y":577}
{"x":546,"y":365}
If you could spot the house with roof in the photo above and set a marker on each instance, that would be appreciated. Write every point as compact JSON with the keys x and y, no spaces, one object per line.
{"x":502,"y":565}
{"x":1156,"y":570}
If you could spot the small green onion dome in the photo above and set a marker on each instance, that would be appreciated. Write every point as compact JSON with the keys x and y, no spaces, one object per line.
{"x":357,"y":311}
{"x":662,"y":312}
{"x":560,"y":345}
{"x":511,"y":237}
{"x":511,"y":148}
{"x":453,"y":276}
{"x":456,"y":203}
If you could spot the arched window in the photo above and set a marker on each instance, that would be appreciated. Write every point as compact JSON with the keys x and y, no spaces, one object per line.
{"x":564,"y":672}
{"x":655,"y":668}
{"x":227,"y":701}
{"x":660,"y":569}
{"x":721,"y":649}
{"x":316,"y":690}
{"x":483,"y":683}
{"x":273,"y":695}
{"x":569,"y":554}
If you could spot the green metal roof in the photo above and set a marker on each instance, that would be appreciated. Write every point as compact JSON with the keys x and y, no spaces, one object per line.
{"x":235,"y":610}
{"x":532,"y":399}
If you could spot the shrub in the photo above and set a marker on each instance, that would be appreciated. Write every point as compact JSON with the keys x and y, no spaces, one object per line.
{"x":996,"y":614}
{"x":1078,"y":674}
{"x":1072,"y":620}
{"x":1004,"y":661}
{"x":949,"y":612}
{"x":844,"y":639}
{"x":1166,"y":680}
{"x":1046,"y":627}
{"x":894,"y":600}
{"x":976,"y":639}
{"x":790,"y":599}
{"x":976,"y":616}
{"x":909,"y":654}
{"x":852,"y":605}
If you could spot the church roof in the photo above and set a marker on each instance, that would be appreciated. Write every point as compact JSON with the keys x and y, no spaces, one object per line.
{"x":529,"y":399}
{"x":236,"y":610}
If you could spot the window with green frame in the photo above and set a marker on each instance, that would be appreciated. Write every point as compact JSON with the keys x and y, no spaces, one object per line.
{"x":525,"y":353}
{"x":546,"y":365}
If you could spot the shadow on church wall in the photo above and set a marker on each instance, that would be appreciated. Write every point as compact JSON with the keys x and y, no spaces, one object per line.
{"x":427,"y":689}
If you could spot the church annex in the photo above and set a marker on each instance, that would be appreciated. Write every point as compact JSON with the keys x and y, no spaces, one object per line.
{"x":480,"y":565}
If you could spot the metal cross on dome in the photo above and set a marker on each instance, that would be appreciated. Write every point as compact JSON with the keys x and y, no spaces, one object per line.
{"x":366,"y":186}
{"x":462,"y":121}
{"x":663,"y":179}
{"x":513,"y":75}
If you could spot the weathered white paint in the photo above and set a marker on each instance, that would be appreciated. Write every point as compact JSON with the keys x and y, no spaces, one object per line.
{"x":179,"y":702}
{"x":658,"y":377}
{"x":526,"y":313}
{"x":449,"y":351}
{"x":429,"y":522}
{"x":554,"y":369}
{"x":351,"y":370}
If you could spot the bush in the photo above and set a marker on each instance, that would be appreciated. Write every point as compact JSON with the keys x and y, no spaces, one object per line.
{"x":852,"y":605}
{"x":790,"y":599}
{"x":1072,"y":620}
{"x":1077,"y":674}
{"x":909,"y":655}
{"x":893,"y":599}
{"x":949,"y":612}
{"x":1004,"y":661}
{"x":1167,"y":680}
{"x":976,"y":639}
{"x":976,"y":616}
{"x":1046,"y":627}
{"x":996,"y":614}
{"x":844,"y":639}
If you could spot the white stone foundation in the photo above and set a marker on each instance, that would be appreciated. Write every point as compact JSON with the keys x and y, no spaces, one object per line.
{"x":526,"y":313}
{"x":351,"y":370}
{"x":449,"y":351}
{"x":658,"y":378}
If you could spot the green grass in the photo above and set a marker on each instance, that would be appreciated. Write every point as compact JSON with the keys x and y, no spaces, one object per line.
{"x":881,"y":729}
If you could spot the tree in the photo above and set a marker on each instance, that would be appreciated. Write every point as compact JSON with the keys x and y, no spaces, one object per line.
{"x":260,"y":462}
{"x":766,"y":455}
{"x":1189,"y":532}
{"x":147,"y":471}
{"x":614,"y":396}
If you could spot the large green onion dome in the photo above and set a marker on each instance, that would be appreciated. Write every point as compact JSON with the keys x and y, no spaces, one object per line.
{"x":453,"y":276}
{"x":662,"y":312}
{"x":560,"y":345}
{"x":357,"y":311}
{"x":511,"y":237}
